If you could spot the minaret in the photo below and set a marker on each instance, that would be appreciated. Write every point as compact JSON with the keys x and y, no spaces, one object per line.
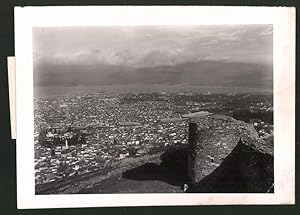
{"x":67,"y":146}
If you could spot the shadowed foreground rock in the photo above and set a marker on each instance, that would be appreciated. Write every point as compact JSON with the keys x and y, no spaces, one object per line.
{"x":226,"y":155}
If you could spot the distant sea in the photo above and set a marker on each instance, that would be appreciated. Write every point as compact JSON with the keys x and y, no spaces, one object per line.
{"x":52,"y":91}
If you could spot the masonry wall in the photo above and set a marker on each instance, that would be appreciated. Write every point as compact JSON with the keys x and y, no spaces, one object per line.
{"x":226,"y":155}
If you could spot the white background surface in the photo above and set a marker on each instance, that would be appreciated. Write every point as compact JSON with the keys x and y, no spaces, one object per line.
{"x":283,"y":20}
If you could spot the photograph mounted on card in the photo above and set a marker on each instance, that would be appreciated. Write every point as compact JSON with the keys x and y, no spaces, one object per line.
{"x":137,"y":106}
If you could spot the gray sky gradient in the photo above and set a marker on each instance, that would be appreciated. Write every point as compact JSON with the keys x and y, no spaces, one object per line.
{"x":149,"y":46}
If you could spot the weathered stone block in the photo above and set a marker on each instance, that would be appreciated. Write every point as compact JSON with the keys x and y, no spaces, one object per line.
{"x":228,"y":156}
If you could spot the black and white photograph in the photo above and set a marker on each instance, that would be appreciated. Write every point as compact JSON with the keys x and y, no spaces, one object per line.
{"x":152,"y":108}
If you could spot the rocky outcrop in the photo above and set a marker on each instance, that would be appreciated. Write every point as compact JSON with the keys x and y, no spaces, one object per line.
{"x":226,"y":155}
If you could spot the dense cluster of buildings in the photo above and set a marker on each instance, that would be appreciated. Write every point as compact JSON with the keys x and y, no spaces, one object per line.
{"x":79,"y":134}
{"x":263,"y":128}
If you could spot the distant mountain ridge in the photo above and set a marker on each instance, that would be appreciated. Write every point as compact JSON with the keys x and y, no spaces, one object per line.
{"x":201,"y":73}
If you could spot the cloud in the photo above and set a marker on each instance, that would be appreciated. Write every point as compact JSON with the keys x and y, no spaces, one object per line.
{"x":217,"y":58}
{"x":152,"y":45}
{"x":266,"y":32}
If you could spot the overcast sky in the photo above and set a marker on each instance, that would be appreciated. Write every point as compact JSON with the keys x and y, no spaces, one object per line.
{"x":152,"y":45}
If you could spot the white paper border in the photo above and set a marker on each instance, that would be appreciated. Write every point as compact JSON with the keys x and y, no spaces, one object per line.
{"x":11,"y":70}
{"x":283,"y":20}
